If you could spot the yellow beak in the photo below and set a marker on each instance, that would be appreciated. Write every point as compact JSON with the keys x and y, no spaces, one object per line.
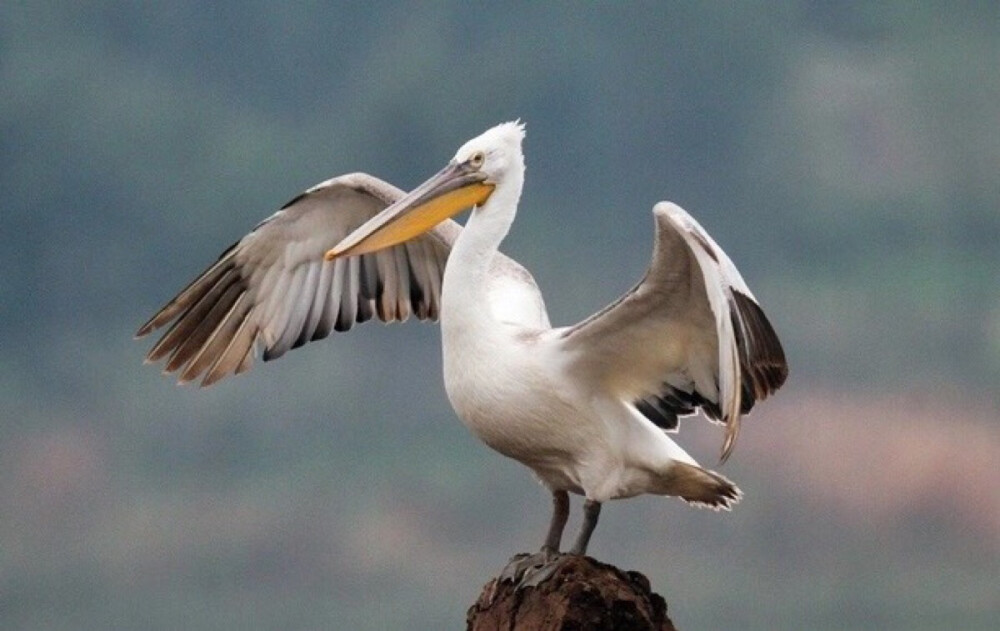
{"x":452,"y":190}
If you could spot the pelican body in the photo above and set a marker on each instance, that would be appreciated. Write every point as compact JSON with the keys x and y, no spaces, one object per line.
{"x":586,"y":407}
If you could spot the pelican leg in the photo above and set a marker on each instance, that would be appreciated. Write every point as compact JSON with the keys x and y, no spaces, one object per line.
{"x":560,"y":513}
{"x":591,"y":511}
{"x":530,"y":570}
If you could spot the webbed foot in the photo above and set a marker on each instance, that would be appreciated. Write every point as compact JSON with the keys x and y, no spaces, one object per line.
{"x":531,"y":570}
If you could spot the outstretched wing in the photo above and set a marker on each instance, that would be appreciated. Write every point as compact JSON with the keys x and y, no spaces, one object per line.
{"x":690,"y":335}
{"x":273,"y":289}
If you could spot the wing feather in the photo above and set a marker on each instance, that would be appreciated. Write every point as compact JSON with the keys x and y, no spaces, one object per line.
{"x":230,"y":360}
{"x":432,"y":270}
{"x":386,"y":301}
{"x":217,"y":342}
{"x":316,"y":308}
{"x":285,"y":325}
{"x":191,"y":345}
{"x":190,"y":294}
{"x":690,"y":335}
{"x":273,"y":290}
{"x":193,"y":313}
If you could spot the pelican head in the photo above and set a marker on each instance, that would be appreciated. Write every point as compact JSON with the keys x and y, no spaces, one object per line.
{"x":497,"y":150}
{"x":489,"y":162}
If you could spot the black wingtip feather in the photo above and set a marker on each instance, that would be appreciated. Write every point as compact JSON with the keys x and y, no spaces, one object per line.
{"x":665,"y":408}
{"x":368,"y":277}
{"x":272,"y":353}
{"x":762,"y":358}
{"x":417,"y":297}
{"x":660,"y":416}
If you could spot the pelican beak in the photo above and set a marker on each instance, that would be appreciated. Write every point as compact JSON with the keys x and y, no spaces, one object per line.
{"x":453,"y":189}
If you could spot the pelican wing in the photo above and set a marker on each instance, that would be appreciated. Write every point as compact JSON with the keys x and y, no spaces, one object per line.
{"x":690,"y":335}
{"x":272,"y":289}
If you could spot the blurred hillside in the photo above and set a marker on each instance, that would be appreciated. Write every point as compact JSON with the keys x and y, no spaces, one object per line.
{"x":845,"y":156}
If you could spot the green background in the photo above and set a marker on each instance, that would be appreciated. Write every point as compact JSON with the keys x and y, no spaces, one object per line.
{"x":846,"y":155}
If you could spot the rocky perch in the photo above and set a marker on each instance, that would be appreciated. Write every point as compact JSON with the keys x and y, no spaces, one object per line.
{"x":582,"y":594}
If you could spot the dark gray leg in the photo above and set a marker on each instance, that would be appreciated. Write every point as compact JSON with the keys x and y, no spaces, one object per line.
{"x":591,"y":511}
{"x":530,"y":570}
{"x":560,"y":513}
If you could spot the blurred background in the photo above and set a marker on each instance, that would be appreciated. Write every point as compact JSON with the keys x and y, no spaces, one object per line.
{"x":846,"y":155}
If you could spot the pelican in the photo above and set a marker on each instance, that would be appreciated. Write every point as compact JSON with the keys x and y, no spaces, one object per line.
{"x":586,"y":407}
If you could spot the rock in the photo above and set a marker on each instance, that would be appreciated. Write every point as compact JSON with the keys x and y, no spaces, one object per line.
{"x":581,"y":595}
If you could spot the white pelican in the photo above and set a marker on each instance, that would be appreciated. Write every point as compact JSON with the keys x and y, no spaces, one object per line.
{"x":586,"y":407}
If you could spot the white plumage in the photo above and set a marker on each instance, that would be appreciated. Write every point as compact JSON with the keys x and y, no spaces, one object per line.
{"x":586,"y":407}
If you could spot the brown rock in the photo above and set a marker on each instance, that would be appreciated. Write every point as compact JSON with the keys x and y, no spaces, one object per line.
{"x":581,"y":595}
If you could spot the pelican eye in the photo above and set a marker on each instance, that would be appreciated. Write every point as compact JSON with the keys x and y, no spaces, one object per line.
{"x":477,"y":160}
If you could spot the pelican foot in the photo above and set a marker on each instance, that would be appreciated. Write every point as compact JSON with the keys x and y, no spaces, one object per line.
{"x":531,"y":570}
